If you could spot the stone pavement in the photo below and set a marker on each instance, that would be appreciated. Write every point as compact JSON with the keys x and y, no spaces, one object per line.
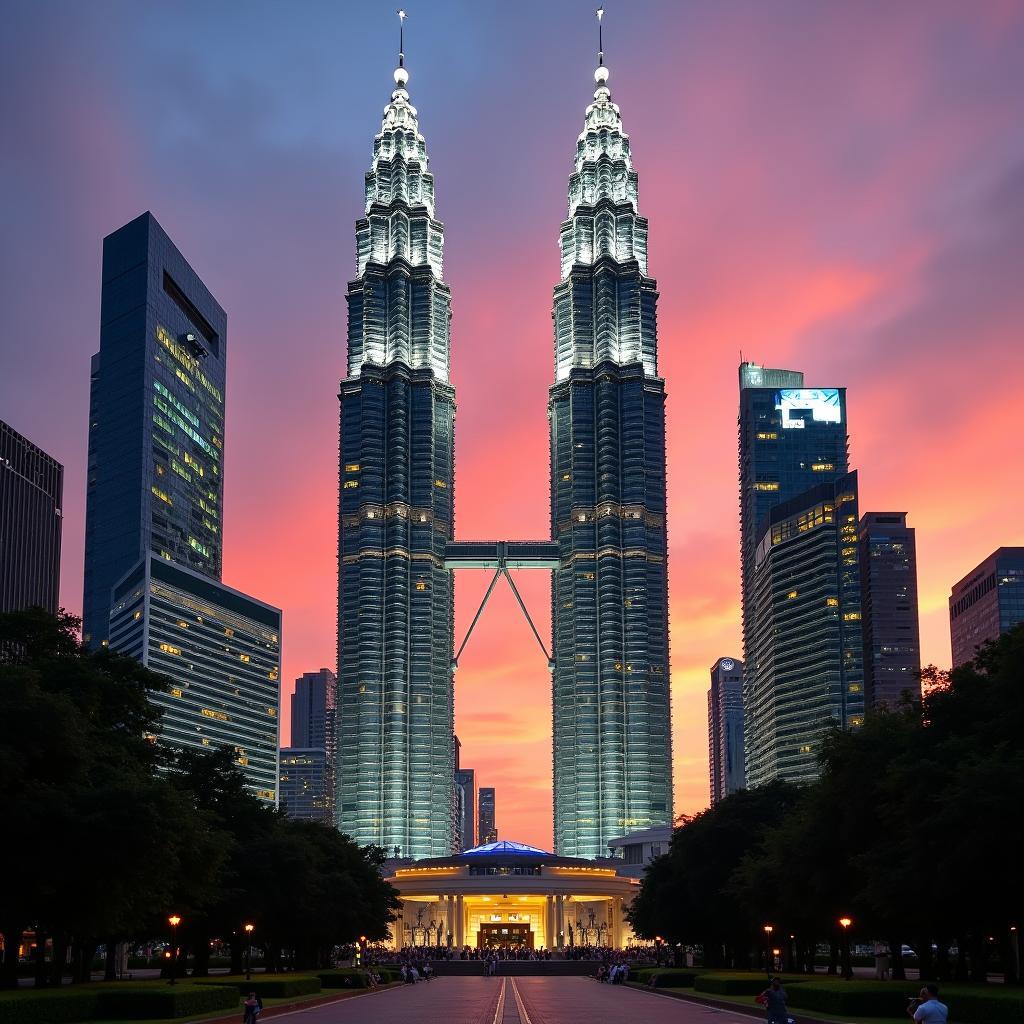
{"x":529,"y":1000}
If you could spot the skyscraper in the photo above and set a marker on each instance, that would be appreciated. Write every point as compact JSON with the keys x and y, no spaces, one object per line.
{"x":156,"y":418}
{"x":612,"y":730}
{"x":313,"y":706}
{"x":395,"y":597}
{"x":807,"y":641}
{"x":725,"y":729}
{"x":465,"y":780}
{"x":888,"y":580}
{"x":488,"y":830}
{"x":304,"y":787}
{"x":222,"y":652}
{"x":988,"y":601}
{"x":31,"y":491}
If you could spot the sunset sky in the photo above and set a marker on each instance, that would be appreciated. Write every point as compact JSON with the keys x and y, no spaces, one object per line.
{"x":833,"y":187}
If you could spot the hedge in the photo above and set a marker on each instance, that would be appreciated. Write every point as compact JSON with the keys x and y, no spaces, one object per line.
{"x":121,"y":1001}
{"x":667,"y":977}
{"x":973,"y":1005}
{"x":273,"y":986}
{"x":355,"y":977}
{"x":731,"y":984}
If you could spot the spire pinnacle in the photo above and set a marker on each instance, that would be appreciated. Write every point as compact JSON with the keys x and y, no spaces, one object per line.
{"x":401,"y":37}
{"x":600,"y":36}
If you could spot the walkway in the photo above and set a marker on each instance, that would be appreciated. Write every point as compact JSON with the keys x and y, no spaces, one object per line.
{"x":529,"y":1000}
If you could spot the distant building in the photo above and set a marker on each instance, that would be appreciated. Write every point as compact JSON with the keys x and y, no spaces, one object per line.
{"x":222,"y":652}
{"x":488,"y":830}
{"x":31,"y":489}
{"x":638,"y":849}
{"x":888,"y":580}
{"x":313,"y":709}
{"x":304,"y":792}
{"x":156,"y":419}
{"x":987,"y":602}
{"x":465,"y":781}
{"x":725,"y":728}
{"x":808,"y":645}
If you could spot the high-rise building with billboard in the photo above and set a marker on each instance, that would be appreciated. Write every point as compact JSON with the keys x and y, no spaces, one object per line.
{"x":397,"y":477}
{"x":888,"y":580}
{"x":31,"y":494}
{"x":807,"y":641}
{"x":156,"y":419}
{"x":487,"y":817}
{"x":612,"y":728}
{"x":725,"y":729}
{"x":987,"y":602}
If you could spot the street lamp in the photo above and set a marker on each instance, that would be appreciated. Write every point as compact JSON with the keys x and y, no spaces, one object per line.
{"x":249,"y":928}
{"x":768,"y":929}
{"x":174,"y":921}
{"x":845,"y":922}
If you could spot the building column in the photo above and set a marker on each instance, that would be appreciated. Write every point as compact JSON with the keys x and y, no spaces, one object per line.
{"x":549,"y":921}
{"x":460,"y":921}
{"x":449,"y":918}
{"x":560,"y":921}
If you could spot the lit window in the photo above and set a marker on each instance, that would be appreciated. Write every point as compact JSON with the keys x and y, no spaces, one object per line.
{"x":175,"y":691}
{"x":440,"y":483}
{"x":832,"y":602}
{"x":567,"y":476}
{"x":856,"y":721}
{"x":792,"y":594}
{"x":351,"y":484}
{"x":137,"y":615}
{"x":822,"y":467}
{"x":851,"y":616}
{"x":765,"y":435}
{"x":352,"y":467}
{"x":855,"y":687}
{"x":169,"y":649}
{"x":219,"y":715}
{"x":244,"y":657}
{"x":421,"y":586}
{"x":160,"y":494}
{"x":766,"y":485}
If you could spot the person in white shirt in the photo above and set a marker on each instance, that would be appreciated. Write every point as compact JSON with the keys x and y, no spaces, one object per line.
{"x":927,"y":1009}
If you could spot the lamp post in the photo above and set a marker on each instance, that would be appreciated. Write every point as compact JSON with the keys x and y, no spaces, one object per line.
{"x":768,"y":929}
{"x":845,"y":923}
{"x":249,"y":928}
{"x":174,"y":921}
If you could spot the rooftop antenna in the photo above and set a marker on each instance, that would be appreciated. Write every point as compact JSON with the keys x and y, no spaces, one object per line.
{"x":401,"y":37}
{"x":600,"y":37}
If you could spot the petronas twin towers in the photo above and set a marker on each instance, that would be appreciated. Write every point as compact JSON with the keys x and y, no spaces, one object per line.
{"x":610,"y":666}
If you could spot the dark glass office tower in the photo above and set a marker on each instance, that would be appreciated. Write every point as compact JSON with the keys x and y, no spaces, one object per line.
{"x":725,"y":729}
{"x":487,"y":831}
{"x":156,"y":418}
{"x":313,"y":706}
{"x":807,"y":641}
{"x":31,"y":491}
{"x":395,"y":597}
{"x":465,"y":782}
{"x":888,"y":579}
{"x":612,"y":730}
{"x":987,"y":602}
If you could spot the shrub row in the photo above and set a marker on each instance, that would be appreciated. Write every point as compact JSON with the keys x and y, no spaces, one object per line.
{"x":126,"y":1002}
{"x":731,"y":984}
{"x":667,"y":977}
{"x":355,"y":977}
{"x":273,"y":986}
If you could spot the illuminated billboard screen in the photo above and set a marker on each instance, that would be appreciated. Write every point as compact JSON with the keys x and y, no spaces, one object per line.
{"x":799,"y":405}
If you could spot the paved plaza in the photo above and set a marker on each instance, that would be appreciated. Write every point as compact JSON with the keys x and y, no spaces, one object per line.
{"x":523,"y":1000}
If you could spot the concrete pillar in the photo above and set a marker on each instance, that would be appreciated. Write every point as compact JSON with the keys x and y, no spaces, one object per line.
{"x":560,"y":937}
{"x":460,"y":921}
{"x":549,"y":921}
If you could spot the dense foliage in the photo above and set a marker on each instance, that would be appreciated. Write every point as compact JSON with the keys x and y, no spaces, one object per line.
{"x":108,"y":833}
{"x":914,"y":831}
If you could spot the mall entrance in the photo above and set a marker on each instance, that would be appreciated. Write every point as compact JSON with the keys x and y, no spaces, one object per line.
{"x":502,"y":934}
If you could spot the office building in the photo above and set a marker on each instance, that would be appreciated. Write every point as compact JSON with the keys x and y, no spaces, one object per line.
{"x":606,"y":409}
{"x":488,"y":828}
{"x":304,"y":785}
{"x":888,"y":580}
{"x":987,"y":602}
{"x":638,"y":849}
{"x":396,"y":487}
{"x":807,"y":643}
{"x":313,"y":728}
{"x":31,"y":491}
{"x":725,"y":729}
{"x":313,"y":706}
{"x":222,"y":652}
{"x":465,"y":781}
{"x":156,"y":419}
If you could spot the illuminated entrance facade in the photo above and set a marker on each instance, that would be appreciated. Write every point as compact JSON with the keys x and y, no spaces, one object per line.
{"x":511,"y":894}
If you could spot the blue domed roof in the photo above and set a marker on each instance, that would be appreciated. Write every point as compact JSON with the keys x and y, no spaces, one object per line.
{"x":505,"y":847}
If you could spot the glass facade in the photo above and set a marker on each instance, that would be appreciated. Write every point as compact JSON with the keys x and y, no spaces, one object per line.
{"x":305,"y":790}
{"x":156,"y":418}
{"x":221,"y":651}
{"x":725,"y":729}
{"x":888,"y":577}
{"x":397,"y":476}
{"x":31,"y":492}
{"x":488,"y":827}
{"x":988,"y":601}
{"x":465,"y":782}
{"x":807,"y":641}
{"x":612,"y":730}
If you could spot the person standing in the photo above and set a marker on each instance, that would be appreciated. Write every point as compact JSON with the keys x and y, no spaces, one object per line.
{"x":251,"y":1009}
{"x":773,"y":999}
{"x":927,"y":1009}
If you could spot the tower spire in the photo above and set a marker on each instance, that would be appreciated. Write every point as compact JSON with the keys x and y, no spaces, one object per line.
{"x":600,"y":36}
{"x":401,"y":37}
